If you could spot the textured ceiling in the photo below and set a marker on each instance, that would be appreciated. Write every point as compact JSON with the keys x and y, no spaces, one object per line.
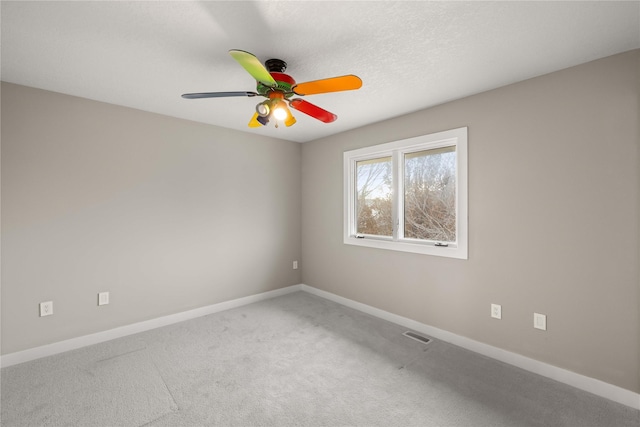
{"x":410,"y":55}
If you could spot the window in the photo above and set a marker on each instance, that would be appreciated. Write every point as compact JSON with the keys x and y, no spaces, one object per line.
{"x":409,"y":195}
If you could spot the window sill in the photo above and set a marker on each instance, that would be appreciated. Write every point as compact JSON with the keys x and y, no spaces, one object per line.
{"x":450,"y":251}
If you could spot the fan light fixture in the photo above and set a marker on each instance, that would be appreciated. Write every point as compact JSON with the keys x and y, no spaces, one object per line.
{"x":280,"y":112}
{"x":263,"y":120}
{"x":263,"y":109}
{"x":279,"y":88}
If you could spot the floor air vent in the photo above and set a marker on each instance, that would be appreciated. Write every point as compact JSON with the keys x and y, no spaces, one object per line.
{"x":414,"y":336}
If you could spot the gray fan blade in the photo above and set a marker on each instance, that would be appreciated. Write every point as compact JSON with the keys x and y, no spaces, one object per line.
{"x":217,"y":94}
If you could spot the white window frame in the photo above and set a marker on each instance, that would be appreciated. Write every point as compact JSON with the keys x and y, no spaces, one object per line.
{"x":396,"y":149}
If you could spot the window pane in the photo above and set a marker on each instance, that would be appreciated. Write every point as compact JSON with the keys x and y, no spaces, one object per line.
{"x":430,"y":195}
{"x":373,"y":204}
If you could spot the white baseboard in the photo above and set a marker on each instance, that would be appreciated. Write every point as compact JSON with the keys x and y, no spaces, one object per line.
{"x":591,"y":385}
{"x":86,"y":340}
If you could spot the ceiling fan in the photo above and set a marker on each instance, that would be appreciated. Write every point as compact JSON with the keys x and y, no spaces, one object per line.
{"x":279,"y":88}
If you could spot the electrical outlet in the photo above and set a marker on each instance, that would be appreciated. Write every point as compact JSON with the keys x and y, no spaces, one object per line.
{"x":540,"y":321}
{"x":295,"y":265}
{"x":46,"y":308}
{"x":103,"y":298}
{"x":496,"y":311}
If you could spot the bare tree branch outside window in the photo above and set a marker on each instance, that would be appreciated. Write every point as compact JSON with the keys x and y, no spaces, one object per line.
{"x":374,"y":203}
{"x":430,"y":195}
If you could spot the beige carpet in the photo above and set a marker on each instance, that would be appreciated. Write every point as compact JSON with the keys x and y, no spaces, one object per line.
{"x":295,"y":360}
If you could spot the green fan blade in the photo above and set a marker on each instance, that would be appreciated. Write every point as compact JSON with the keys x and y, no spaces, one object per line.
{"x":253,"y":66}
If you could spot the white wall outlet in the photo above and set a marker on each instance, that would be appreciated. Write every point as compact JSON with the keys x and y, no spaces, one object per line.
{"x":496,"y":311}
{"x":103,"y":298}
{"x":46,"y":308}
{"x":540,"y":321}
{"x":295,"y":265}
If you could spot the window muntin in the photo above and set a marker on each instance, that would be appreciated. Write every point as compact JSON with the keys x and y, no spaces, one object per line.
{"x":420,"y":184}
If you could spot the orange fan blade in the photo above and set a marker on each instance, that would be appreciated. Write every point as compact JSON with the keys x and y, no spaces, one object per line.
{"x":333,"y":84}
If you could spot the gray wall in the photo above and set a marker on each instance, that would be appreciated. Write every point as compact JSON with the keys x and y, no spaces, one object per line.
{"x":553,"y":222}
{"x":165,"y":214}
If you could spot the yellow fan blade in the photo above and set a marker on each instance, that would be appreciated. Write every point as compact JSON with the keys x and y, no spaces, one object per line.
{"x":333,"y":84}
{"x":254,"y":123}
{"x":290,"y":120}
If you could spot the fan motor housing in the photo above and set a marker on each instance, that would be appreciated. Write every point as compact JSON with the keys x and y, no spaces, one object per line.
{"x":284,"y":83}
{"x":275,"y":65}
